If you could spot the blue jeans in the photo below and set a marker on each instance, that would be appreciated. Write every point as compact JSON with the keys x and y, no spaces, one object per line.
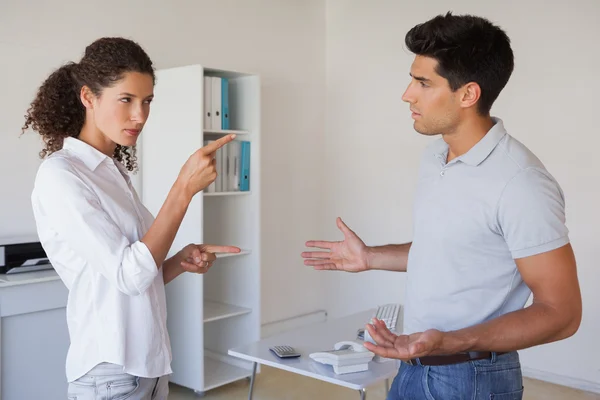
{"x":498,"y":378}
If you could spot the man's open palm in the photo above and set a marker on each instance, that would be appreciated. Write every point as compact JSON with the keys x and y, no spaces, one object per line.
{"x":347,"y":255}
{"x":403,"y":347}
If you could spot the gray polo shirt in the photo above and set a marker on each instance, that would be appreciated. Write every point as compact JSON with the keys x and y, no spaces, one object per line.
{"x":472,"y":217}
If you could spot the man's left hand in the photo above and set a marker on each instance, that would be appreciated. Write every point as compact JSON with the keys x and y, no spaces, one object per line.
{"x":403,"y":347}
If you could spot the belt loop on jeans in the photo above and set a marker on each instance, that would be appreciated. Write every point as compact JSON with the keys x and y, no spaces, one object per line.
{"x":494,"y":357}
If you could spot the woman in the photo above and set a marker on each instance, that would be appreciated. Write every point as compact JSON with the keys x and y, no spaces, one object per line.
{"x":107,"y":248}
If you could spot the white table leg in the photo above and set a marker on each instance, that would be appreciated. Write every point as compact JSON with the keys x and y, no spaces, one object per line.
{"x":363,"y":394}
{"x":254,"y":365}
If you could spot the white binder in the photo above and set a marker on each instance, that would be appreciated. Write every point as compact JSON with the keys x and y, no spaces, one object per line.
{"x":220,"y":170}
{"x":207,"y":102}
{"x":213,"y":186}
{"x":216,"y":103}
{"x":233,"y":174}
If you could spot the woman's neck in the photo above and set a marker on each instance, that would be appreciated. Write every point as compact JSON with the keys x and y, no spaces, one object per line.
{"x":98,"y":140}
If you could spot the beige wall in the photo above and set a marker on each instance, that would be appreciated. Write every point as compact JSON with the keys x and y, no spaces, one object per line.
{"x":550,"y":104}
{"x":283,"y":41}
{"x":332,"y":74}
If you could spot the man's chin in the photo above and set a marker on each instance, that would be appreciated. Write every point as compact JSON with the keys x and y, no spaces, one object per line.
{"x":422,"y":130}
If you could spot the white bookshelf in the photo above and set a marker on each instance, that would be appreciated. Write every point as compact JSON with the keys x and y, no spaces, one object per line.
{"x":214,"y":311}
{"x":241,"y":253}
{"x":219,"y":373}
{"x":221,"y":132}
{"x":213,"y":194}
{"x":210,"y":313}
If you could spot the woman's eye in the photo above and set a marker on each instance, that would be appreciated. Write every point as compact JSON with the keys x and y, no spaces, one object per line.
{"x":125,"y":99}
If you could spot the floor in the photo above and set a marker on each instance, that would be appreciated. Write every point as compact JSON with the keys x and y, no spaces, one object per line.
{"x":274,"y":384}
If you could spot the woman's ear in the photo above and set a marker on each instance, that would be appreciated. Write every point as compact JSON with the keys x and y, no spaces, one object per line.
{"x":87,"y":97}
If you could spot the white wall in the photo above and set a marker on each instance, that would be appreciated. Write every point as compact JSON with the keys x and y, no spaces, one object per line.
{"x":284,"y":42}
{"x":550,"y":104}
{"x":363,"y":167}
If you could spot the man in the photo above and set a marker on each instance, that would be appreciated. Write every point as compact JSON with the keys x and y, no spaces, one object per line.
{"x":489,"y":230}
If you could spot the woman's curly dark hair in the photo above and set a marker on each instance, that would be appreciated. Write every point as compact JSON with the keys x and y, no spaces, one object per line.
{"x":57,"y":111}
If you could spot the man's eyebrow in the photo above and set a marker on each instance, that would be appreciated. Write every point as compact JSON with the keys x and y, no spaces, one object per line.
{"x":420,"y":78}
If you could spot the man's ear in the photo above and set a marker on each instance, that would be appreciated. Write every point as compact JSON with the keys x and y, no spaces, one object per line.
{"x":471,"y":93}
{"x":87,"y":97}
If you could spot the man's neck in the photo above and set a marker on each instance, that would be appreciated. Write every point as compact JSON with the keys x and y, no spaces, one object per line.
{"x":467,"y":135}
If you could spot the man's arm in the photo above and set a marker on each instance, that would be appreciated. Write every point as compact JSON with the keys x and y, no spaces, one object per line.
{"x":554,"y":315}
{"x":393,"y":257}
{"x":352,"y":255}
{"x":531,"y":208}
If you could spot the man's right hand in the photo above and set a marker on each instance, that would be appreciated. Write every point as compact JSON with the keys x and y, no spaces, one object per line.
{"x":349,"y":255}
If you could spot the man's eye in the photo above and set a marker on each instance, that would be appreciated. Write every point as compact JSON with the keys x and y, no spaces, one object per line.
{"x":125,"y":99}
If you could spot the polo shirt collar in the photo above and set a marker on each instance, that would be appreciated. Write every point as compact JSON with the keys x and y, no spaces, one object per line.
{"x":481,"y":150}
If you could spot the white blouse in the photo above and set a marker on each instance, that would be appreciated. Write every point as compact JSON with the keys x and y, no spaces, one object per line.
{"x":90,"y":222}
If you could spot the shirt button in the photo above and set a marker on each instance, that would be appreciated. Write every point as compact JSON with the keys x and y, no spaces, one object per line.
{"x":442,"y":173}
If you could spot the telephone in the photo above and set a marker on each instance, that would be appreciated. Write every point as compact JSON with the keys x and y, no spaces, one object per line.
{"x":350,"y":344}
{"x":346,"y":357}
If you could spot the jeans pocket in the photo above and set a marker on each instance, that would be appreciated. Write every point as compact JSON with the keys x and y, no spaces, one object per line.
{"x":502,"y":382}
{"x":122,"y":388}
{"x":82,"y":389}
{"x":450,"y":382}
{"x":515,"y":395}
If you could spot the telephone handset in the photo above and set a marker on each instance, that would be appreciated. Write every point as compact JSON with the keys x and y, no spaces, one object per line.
{"x":348,"y":356}
{"x":350,"y":344}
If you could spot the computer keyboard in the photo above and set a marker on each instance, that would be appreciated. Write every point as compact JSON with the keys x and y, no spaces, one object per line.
{"x":391,"y":315}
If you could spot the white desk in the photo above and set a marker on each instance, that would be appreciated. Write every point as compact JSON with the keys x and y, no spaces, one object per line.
{"x":27,"y":278}
{"x":313,"y":338}
{"x":34,"y":338}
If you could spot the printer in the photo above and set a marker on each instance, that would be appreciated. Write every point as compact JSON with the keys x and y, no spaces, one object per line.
{"x":22,"y":256}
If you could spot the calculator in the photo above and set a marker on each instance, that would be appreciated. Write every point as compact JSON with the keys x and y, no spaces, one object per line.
{"x":284,"y":351}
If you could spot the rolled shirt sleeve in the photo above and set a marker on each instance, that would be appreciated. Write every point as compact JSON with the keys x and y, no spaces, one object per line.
{"x":74,"y":212}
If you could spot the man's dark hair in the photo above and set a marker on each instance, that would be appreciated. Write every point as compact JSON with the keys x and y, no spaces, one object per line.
{"x":468,"y":49}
